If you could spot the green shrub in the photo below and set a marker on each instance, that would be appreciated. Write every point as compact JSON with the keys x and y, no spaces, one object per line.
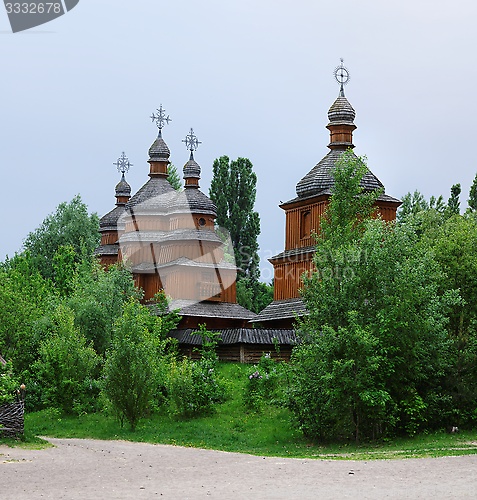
{"x":134,"y":369}
{"x":193,"y":388}
{"x":265,"y":384}
{"x":8,"y":384}
{"x":65,"y":373}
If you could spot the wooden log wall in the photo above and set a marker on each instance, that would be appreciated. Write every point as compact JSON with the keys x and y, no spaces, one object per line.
{"x":301,"y":222}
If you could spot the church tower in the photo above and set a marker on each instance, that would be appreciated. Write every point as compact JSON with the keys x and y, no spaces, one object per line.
{"x":108,"y":251}
{"x":303,"y":214}
{"x":169,"y":241}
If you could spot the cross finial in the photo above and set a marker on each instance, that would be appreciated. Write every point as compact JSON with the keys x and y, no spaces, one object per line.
{"x":342,"y":76}
{"x":123,"y":165}
{"x":161,"y":119}
{"x":191,"y":142}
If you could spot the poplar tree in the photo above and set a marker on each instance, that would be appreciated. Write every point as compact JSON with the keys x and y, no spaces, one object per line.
{"x":174,"y":177}
{"x":233,"y":190}
{"x":453,"y":205}
{"x":472,"y":201}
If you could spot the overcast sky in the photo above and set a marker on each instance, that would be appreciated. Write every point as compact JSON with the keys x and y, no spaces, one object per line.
{"x":253,"y":78}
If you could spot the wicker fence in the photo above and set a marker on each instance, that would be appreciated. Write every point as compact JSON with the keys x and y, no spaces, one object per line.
{"x":12,"y":419}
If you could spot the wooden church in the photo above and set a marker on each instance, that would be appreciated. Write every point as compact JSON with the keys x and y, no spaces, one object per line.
{"x":169,"y":240}
{"x":304,"y":212}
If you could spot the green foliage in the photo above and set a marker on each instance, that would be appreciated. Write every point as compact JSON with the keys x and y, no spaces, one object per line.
{"x":454,"y":243}
{"x":193,"y":387}
{"x":9,"y":384}
{"x":265,"y":384}
{"x":133,"y":370}
{"x":98,"y":299}
{"x":70,"y":225}
{"x":453,"y":204}
{"x":174,"y":177}
{"x":233,"y":190}
{"x":253,"y":295}
{"x":412,"y":204}
{"x":375,"y":340}
{"x":472,"y":201}
{"x":24,"y":297}
{"x":66,"y":369}
{"x":64,"y":269}
{"x":350,"y":204}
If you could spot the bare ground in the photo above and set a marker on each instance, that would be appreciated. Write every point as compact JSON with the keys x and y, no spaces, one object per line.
{"x":91,"y":469}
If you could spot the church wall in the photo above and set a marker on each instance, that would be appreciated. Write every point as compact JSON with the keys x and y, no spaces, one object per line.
{"x":288,"y":278}
{"x":301,"y":222}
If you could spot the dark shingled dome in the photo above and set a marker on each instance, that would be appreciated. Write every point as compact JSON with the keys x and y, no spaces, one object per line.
{"x":191,"y":169}
{"x":341,"y":111}
{"x":159,"y":150}
{"x":123,"y":188}
{"x":319,"y":179}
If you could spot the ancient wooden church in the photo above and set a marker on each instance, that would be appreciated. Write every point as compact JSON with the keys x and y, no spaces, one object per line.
{"x":169,"y":240}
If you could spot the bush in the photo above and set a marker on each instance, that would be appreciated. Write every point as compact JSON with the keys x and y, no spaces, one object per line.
{"x":8,"y":384}
{"x":265,"y":384}
{"x":65,"y":372}
{"x":193,"y":387}
{"x":133,"y":371}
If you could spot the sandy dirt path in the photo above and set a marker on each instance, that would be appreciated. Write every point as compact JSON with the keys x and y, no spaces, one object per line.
{"x":90,"y":469}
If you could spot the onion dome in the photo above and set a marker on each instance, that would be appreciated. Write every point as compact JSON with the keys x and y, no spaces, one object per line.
{"x":123,"y":189}
{"x":191,"y":169}
{"x":341,"y":112}
{"x":159,"y":150}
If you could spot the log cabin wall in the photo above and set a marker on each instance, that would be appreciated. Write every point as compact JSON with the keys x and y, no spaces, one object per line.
{"x":301,"y":222}
{"x":288,"y":277}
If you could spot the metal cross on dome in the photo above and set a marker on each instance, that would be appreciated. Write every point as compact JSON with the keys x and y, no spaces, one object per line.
{"x":160,"y":118}
{"x":342,"y":76}
{"x":191,"y":141}
{"x":123,"y":165}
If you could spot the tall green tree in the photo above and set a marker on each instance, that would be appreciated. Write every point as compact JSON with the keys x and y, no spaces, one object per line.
{"x":133,"y":370}
{"x":453,"y":204}
{"x":65,"y":372}
{"x":25,"y":296}
{"x":374,"y":347}
{"x":472,"y":201}
{"x":69,"y":226}
{"x":174,"y":177}
{"x":233,"y":190}
{"x":98,"y":299}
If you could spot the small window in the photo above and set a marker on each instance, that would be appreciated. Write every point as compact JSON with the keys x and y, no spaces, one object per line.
{"x":305,"y":224}
{"x":202,"y":221}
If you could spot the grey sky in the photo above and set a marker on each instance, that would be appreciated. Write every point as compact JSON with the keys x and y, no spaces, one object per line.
{"x":253,"y":78}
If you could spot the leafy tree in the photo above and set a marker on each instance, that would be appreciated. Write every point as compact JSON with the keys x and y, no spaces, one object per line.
{"x":454,"y":244}
{"x":472,"y":201}
{"x":254,"y":295}
{"x":8,"y":383}
{"x":66,"y":368}
{"x":374,"y":347}
{"x":412,"y":204}
{"x":25,"y":297}
{"x":233,"y":190}
{"x":70,"y":225}
{"x":98,"y":300}
{"x":453,"y":204}
{"x":133,"y":372}
{"x":174,"y":177}
{"x":351,"y":205}
{"x":192,"y":386}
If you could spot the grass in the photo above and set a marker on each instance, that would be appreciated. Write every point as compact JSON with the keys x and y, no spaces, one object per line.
{"x":269,"y":432}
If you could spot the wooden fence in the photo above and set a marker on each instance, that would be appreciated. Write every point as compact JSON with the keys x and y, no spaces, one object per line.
{"x":12,"y":419}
